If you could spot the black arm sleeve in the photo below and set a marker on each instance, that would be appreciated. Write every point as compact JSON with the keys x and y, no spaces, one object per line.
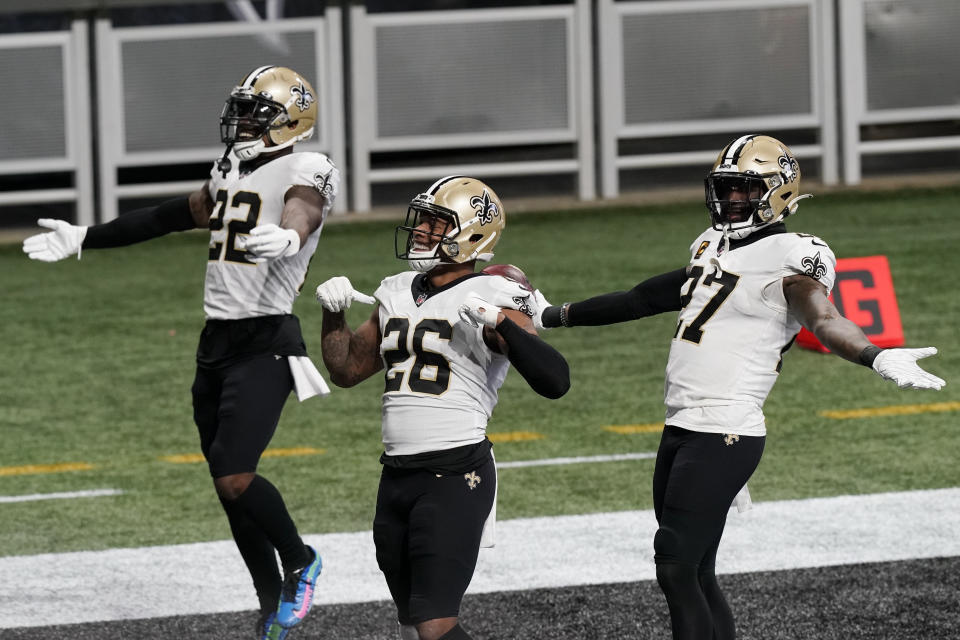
{"x":542,"y":366}
{"x":141,"y":224}
{"x":650,"y":297}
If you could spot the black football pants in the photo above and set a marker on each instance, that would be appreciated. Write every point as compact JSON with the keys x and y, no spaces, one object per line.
{"x":427,"y":532}
{"x":696,"y":478}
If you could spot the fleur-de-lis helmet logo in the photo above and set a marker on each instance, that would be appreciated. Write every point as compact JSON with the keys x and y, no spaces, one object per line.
{"x":303,"y":96}
{"x":789,"y":167}
{"x":814,"y":266}
{"x":485,"y":208}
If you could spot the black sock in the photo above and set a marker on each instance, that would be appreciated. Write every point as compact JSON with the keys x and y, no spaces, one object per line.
{"x":263,"y":504}
{"x":457,"y":633}
{"x":724,"y":627}
{"x":690,"y":615}
{"x":257,"y":553}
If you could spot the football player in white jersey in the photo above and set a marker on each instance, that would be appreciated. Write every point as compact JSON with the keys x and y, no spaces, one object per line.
{"x":749,"y":287}
{"x":265,"y":206}
{"x":446,"y":337}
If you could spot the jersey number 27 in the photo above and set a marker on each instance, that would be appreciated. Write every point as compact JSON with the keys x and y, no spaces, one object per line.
{"x":693,"y":332}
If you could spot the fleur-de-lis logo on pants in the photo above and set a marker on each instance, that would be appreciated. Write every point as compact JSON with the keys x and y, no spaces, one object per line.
{"x":472,"y":479}
{"x":730,"y":438}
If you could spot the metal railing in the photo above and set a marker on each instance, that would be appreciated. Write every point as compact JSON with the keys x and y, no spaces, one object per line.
{"x":48,"y":128}
{"x":688,"y":68}
{"x":160,"y":87}
{"x":899,"y":63}
{"x":489,"y":77}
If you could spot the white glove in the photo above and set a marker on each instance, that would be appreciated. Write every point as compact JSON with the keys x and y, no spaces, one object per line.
{"x":537,"y":305}
{"x":476,"y":311}
{"x":337,"y":293}
{"x":510,"y":294}
{"x":65,"y":240}
{"x":268,"y":242}
{"x":900,"y":365}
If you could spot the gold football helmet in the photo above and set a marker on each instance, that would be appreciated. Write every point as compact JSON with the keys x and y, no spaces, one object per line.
{"x":271,"y":102}
{"x":457,"y":219}
{"x":755,"y":182}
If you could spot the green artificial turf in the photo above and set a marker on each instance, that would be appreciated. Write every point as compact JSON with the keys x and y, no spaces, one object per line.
{"x":98,"y":363}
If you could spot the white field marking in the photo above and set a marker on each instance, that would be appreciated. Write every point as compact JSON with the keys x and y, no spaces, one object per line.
{"x":546,"y":462}
{"x":531,"y":553}
{"x":92,"y":493}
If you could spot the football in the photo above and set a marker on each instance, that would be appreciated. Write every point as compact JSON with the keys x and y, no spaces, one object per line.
{"x":509,"y":271}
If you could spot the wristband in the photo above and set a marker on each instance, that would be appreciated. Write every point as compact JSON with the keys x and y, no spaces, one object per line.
{"x":564,"y":314}
{"x":868,"y":355}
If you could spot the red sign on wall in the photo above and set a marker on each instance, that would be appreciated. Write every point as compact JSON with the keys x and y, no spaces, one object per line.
{"x":863,"y":293}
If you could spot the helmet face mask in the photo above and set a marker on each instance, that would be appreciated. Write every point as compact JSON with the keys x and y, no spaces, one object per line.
{"x":754,"y":182}
{"x":271,"y":104}
{"x":427,"y":242}
{"x":458,"y":219}
{"x":734,"y":199}
{"x":247,"y":117}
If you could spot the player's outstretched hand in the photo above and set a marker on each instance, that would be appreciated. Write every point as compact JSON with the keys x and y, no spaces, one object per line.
{"x":509,"y":294}
{"x":268,"y":242}
{"x":337,"y":293}
{"x":65,"y":240}
{"x":537,"y":304}
{"x":900,"y":366}
{"x":476,"y":311}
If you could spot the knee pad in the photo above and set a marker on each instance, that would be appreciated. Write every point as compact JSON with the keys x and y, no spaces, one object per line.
{"x":667,"y":546}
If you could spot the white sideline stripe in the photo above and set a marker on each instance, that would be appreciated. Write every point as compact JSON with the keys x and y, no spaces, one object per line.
{"x":92,"y":493}
{"x":531,"y":553}
{"x":546,"y":462}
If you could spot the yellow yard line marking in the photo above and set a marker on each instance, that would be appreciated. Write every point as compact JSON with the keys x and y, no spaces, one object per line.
{"x":655,"y":427}
{"x":514,"y":436}
{"x":45,"y":468}
{"x":187,"y":458}
{"x":293,"y":451}
{"x":898,"y":410}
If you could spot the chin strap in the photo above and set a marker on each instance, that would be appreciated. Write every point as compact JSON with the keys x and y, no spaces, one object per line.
{"x":795,"y":203}
{"x":223,"y":164}
{"x":725,"y":241}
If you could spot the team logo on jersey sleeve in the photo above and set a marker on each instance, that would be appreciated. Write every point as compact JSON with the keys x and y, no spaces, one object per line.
{"x":703,"y":247}
{"x":472,"y":479}
{"x":322,"y":183}
{"x":814,"y":266}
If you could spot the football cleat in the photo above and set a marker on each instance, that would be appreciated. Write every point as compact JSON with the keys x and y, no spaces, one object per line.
{"x":296,"y":595}
{"x":269,"y":629}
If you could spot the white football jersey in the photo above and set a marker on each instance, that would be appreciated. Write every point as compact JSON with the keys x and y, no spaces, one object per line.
{"x":235,"y":287}
{"x":441,"y":378}
{"x":734,"y":327}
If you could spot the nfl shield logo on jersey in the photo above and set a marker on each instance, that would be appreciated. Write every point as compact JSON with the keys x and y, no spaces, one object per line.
{"x":421,"y":299}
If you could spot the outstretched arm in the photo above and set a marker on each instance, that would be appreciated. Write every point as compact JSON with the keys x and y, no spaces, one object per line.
{"x":808,"y":301}
{"x":650,"y":297}
{"x":65,"y":239}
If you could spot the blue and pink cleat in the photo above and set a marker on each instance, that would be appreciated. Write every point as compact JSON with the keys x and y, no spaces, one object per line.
{"x":296,"y":596}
